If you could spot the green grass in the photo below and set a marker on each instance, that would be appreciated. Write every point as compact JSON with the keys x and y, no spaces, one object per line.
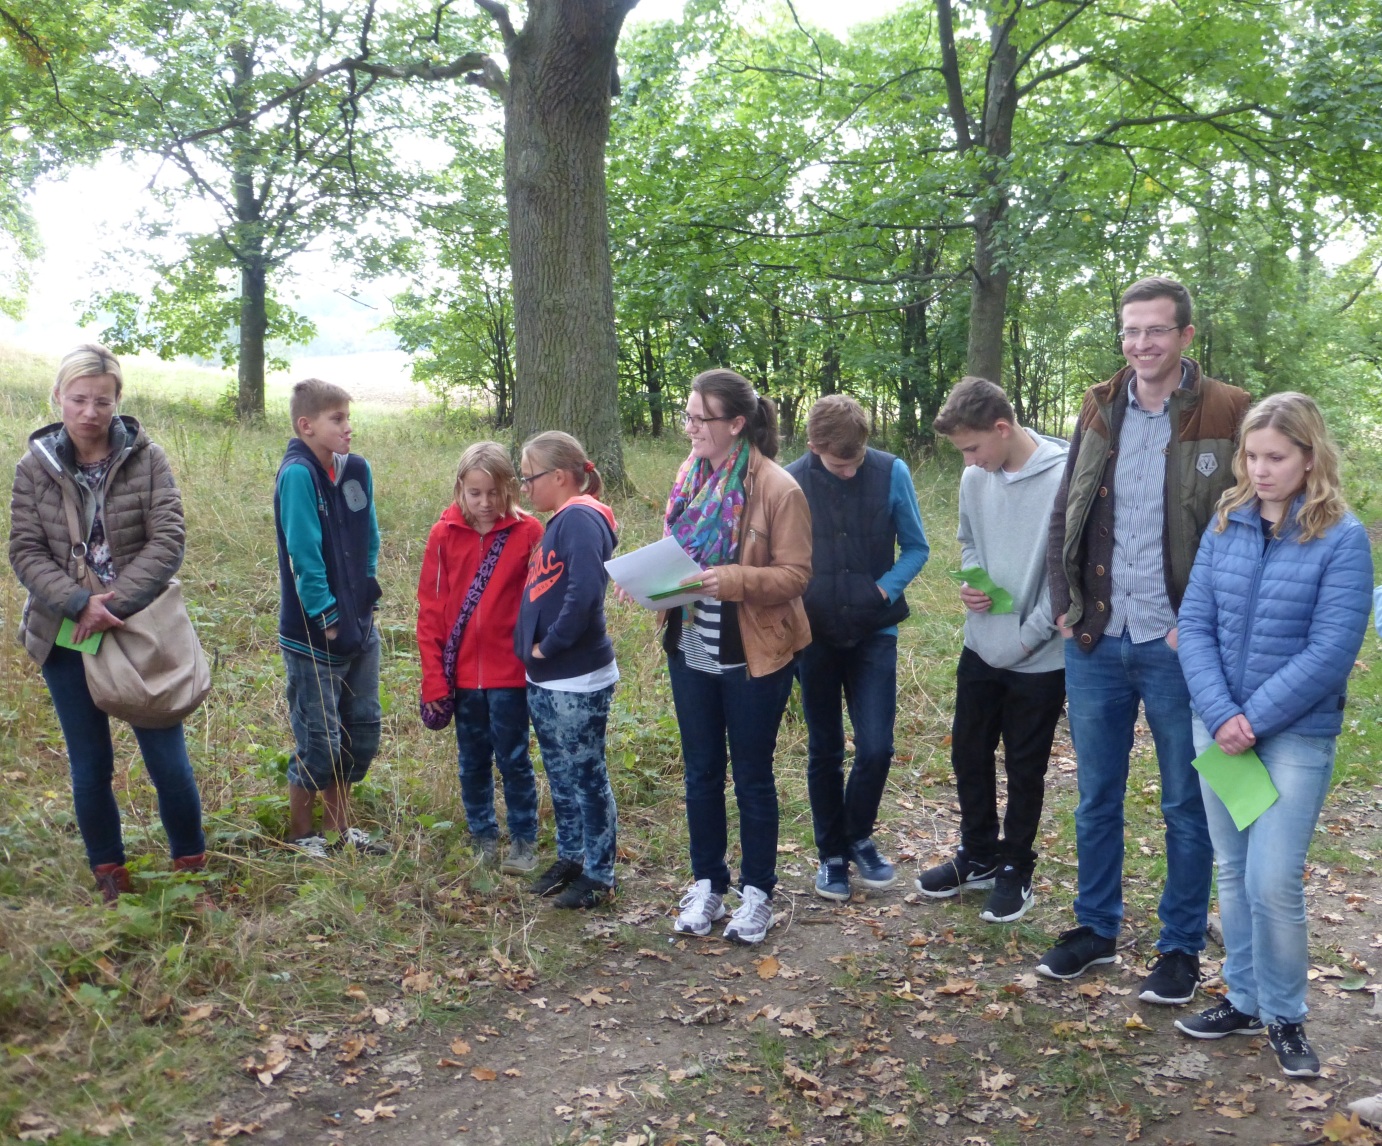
{"x":99,"y":1008}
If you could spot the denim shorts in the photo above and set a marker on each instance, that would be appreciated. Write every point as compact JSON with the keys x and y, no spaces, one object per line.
{"x":336,"y":716}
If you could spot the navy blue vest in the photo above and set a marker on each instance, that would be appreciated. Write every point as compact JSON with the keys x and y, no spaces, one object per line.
{"x":343,"y":509}
{"x":853,"y":543}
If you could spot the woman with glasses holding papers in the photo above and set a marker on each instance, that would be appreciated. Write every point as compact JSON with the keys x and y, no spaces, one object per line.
{"x":1272,"y":620}
{"x":744,"y":521}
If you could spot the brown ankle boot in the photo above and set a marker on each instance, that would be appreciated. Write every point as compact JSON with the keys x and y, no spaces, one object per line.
{"x":114,"y":881}
{"x":204,"y":901}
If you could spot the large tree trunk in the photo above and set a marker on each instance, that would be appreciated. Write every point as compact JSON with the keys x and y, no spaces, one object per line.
{"x":557,"y":106}
{"x":254,"y":322}
{"x":247,"y":245}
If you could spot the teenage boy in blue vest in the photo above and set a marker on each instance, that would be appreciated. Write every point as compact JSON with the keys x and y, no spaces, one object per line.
{"x":328,"y":550}
{"x":1010,"y":682}
{"x":867,"y":545}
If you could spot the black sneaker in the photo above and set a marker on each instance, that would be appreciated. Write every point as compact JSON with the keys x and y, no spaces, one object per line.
{"x":1010,"y":898}
{"x":1293,"y":1051}
{"x":1075,"y":952}
{"x":956,"y":875}
{"x":1218,"y":1022}
{"x":1172,"y":979}
{"x":556,"y":877}
{"x":583,"y":892}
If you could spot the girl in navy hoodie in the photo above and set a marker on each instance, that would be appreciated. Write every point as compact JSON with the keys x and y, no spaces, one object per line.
{"x":570,"y":665}
{"x":467,"y":606}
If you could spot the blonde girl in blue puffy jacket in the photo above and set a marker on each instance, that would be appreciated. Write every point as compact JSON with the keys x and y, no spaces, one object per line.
{"x":1270,"y":626}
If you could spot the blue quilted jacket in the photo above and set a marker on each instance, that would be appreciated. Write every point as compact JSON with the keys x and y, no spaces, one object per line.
{"x":1272,"y":631}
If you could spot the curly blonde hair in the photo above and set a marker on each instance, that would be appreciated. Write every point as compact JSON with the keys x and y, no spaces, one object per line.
{"x":1294,"y":416}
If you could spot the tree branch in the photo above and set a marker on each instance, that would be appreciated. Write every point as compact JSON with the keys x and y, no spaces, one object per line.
{"x":500,"y":15}
{"x":950,"y":68}
{"x":490,"y":77}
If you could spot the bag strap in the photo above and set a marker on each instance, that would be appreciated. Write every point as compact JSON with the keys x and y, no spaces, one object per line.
{"x":85,"y":577}
{"x":472,"y":600}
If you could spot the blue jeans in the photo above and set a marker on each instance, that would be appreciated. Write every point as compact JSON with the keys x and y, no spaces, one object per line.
{"x":865,"y":677}
{"x":1261,"y":874}
{"x":745,"y":711}
{"x":335,"y":714}
{"x":492,"y":728}
{"x":1103,"y":689}
{"x":91,"y":758}
{"x":570,"y":729}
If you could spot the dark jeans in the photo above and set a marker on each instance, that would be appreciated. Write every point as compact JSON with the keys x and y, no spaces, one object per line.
{"x":91,"y":757}
{"x":1021,"y":708}
{"x":570,"y":729}
{"x":335,"y":715}
{"x":492,"y":728}
{"x":745,"y":712}
{"x":865,"y":677}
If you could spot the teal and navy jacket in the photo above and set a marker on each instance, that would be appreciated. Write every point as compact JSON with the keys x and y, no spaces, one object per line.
{"x":328,"y":553}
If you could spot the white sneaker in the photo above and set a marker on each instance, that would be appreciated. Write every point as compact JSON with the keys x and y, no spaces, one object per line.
{"x":750,"y":922}
{"x":700,"y":907}
{"x":314,"y":847}
{"x":360,"y":841}
{"x":1368,"y":1109}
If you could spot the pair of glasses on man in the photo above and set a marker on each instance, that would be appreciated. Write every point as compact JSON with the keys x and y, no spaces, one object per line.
{"x":1133,"y":333}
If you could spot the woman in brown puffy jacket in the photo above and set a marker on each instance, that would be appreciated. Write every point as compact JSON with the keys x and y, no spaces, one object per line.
{"x":131,"y":511}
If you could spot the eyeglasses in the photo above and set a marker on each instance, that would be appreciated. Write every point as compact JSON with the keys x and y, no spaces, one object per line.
{"x":532,"y":478}
{"x":1133,"y":333}
{"x":696,"y":422}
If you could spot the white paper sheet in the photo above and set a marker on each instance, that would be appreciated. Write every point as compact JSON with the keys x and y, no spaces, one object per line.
{"x":655,"y":568}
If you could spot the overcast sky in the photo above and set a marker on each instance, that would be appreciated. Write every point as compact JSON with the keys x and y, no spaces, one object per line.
{"x":83,"y":221}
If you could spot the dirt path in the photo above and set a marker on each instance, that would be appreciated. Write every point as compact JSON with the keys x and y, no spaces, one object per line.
{"x":885,"y":1019}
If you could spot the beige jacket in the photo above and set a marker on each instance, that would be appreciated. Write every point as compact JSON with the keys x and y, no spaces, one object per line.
{"x":773,"y":568}
{"x":141,"y":509}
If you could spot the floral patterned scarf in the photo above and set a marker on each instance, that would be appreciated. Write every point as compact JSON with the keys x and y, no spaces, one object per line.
{"x":705,"y":511}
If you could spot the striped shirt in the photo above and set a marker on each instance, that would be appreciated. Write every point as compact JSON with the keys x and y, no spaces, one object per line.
{"x":700,"y":640}
{"x":1140,"y":601}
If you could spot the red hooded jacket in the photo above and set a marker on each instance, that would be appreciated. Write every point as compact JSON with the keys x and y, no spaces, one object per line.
{"x":454,"y":550}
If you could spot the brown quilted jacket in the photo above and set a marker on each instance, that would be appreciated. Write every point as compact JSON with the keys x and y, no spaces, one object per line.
{"x":140,"y":507}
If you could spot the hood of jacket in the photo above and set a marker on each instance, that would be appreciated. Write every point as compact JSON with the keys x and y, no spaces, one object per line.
{"x":598,"y":506}
{"x":51,"y":445}
{"x":1050,"y":451}
{"x":454,"y":517}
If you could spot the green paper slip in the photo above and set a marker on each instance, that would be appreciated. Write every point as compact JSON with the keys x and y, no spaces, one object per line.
{"x":64,"y":638}
{"x":1241,"y":782}
{"x":977,"y":578}
{"x":674,"y":592}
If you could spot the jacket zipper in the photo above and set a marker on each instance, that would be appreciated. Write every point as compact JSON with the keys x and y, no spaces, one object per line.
{"x":1249,"y":614}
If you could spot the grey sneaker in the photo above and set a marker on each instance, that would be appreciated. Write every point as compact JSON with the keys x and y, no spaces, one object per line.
{"x":522,"y":858}
{"x":700,"y":908}
{"x":750,"y":922}
{"x":361,"y":842}
{"x":487,"y":848}
{"x":313,"y":847}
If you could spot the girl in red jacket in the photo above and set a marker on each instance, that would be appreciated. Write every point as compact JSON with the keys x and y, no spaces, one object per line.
{"x":468,"y":595}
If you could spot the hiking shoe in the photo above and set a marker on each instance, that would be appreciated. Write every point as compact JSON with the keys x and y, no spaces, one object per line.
{"x":956,"y":875}
{"x":1368,"y":1109}
{"x":1293,"y":1051}
{"x":361,"y":842}
{"x":113,"y":881}
{"x":583,"y":892}
{"x":1010,"y":898}
{"x":1172,"y":979}
{"x":487,"y":848}
{"x":191,"y":865}
{"x":700,"y":907}
{"x":313,"y":847}
{"x":1218,"y":1022}
{"x":522,"y":857}
{"x":832,"y":881}
{"x":1075,"y":952}
{"x":751,"y":919}
{"x":874,"y":871}
{"x":556,"y":877}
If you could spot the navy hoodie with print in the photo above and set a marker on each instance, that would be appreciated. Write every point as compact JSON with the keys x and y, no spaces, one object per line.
{"x":563,"y":607}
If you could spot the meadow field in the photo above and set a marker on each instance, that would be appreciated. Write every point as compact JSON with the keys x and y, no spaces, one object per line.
{"x":151,"y":1023}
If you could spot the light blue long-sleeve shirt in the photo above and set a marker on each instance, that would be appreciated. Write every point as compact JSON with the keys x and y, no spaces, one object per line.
{"x":913,"y":548}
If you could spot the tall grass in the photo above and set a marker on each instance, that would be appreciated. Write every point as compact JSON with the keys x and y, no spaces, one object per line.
{"x":96,"y":1007}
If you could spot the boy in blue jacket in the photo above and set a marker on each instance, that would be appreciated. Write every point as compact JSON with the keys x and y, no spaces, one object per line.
{"x":328,"y":550}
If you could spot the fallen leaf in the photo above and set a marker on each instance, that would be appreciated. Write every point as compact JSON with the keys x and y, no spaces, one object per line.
{"x":419,"y":982}
{"x":1341,"y":1129}
{"x":379,"y":1111}
{"x":357,"y":993}
{"x":197,"y":1014}
{"x":958,"y":987}
{"x":768,"y":967}
{"x":381,"y":1016}
{"x":594,"y":998}
{"x":513,"y":1072}
{"x":483,"y":1074}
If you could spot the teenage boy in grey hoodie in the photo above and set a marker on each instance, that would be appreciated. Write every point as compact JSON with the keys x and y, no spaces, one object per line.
{"x":1010,"y":682}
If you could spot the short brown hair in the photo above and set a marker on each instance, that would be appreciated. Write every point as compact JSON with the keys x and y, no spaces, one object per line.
{"x":974,"y":404}
{"x":312,"y":396}
{"x":837,"y":425}
{"x":1158,"y":286}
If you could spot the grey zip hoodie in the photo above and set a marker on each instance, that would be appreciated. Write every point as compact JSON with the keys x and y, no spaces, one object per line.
{"x":1004,"y":522}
